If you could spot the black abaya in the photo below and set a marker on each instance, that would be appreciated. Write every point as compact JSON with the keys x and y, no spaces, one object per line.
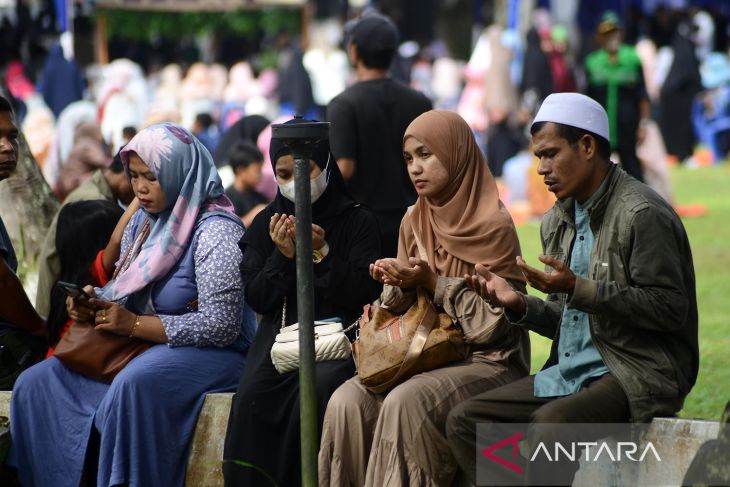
{"x":678,"y":92}
{"x":536,"y":74}
{"x":264,"y":424}
{"x":263,"y":427}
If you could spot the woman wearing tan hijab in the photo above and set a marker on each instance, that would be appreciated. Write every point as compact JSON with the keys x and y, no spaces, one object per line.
{"x":399,"y":438}
{"x":87,"y":155}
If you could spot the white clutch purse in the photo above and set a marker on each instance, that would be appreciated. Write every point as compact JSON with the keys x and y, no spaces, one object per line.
{"x":330,"y":343}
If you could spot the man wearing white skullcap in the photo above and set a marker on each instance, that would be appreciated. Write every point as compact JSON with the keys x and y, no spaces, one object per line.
{"x":575,"y":110}
{"x":620,"y":308}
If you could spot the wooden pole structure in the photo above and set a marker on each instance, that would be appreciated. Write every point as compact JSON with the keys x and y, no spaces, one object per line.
{"x":301,"y":140}
{"x":100,"y":38}
{"x":306,"y":20}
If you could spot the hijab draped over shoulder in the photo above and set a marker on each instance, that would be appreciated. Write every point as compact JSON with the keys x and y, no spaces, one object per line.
{"x":193,"y":192}
{"x":472,"y":226}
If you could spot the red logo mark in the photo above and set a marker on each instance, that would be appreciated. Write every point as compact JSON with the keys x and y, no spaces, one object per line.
{"x":513,"y":440}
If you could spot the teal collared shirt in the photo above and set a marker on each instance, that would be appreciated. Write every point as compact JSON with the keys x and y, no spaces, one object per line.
{"x":578,"y":359}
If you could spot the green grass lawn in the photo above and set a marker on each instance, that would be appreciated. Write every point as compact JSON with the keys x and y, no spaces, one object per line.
{"x":710,"y":239}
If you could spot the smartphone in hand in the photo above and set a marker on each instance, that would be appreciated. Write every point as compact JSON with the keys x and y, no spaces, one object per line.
{"x":73,"y":290}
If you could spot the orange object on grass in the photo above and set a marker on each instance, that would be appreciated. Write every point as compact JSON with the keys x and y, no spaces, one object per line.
{"x":692,"y":210}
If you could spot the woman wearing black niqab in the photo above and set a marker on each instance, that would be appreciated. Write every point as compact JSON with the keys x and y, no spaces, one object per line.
{"x":263,"y":428}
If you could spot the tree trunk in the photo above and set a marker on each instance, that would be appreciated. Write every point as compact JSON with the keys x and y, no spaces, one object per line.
{"x":27,"y":206}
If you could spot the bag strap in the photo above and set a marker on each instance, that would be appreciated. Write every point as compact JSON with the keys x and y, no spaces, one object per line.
{"x":133,"y":250}
{"x":283,"y":314}
{"x":414,"y":350}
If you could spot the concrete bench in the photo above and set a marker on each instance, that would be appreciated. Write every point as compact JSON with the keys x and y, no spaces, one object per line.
{"x":685,"y":435}
{"x":206,"y":450}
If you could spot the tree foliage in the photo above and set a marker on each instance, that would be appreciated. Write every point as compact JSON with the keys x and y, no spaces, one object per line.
{"x":148,"y":25}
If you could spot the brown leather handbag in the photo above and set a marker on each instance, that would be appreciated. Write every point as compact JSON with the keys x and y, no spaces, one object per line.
{"x":97,"y":354}
{"x":392,"y":348}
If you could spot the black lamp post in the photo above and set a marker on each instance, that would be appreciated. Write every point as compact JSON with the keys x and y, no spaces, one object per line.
{"x":301,"y":139}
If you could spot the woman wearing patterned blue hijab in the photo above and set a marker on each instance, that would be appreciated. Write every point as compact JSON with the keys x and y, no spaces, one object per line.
{"x":177,"y":284}
{"x":192,"y":192}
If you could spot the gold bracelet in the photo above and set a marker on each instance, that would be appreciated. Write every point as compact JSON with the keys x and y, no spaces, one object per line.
{"x":134,"y":327}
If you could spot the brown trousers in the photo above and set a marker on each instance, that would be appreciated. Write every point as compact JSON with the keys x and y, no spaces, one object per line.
{"x":398,"y":439}
{"x":601,"y":401}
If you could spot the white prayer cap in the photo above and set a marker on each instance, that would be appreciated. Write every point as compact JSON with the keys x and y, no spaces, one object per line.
{"x":575,"y":110}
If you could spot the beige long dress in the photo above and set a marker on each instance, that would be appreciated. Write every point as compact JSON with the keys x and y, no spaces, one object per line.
{"x":399,"y":439}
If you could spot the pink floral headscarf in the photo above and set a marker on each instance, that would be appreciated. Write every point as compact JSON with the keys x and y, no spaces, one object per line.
{"x":193,"y":191}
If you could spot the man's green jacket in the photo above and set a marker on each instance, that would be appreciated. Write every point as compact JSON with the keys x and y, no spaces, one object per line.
{"x":640,"y":293}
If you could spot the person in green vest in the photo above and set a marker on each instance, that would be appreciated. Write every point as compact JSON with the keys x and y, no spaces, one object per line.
{"x":615,"y":80}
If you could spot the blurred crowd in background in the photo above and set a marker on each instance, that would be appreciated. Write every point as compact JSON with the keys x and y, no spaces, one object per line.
{"x":661,"y":69}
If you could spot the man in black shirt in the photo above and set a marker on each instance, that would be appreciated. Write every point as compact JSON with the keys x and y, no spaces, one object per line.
{"x":246,"y":161}
{"x":368,"y":121}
